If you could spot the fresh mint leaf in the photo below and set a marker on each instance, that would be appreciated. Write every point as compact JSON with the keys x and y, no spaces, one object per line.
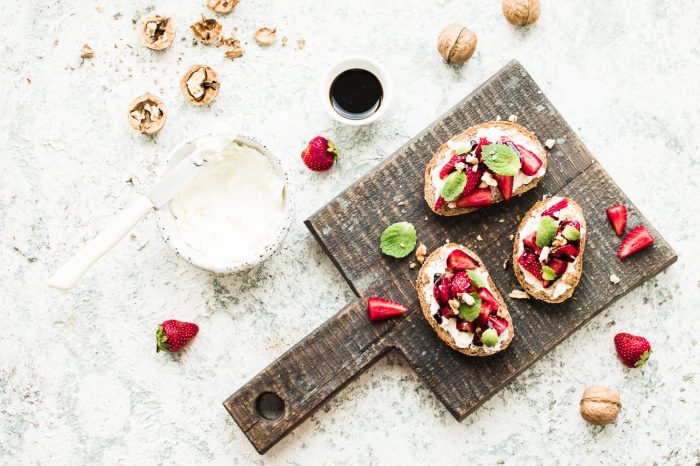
{"x":454,"y":185}
{"x":476,"y":279}
{"x":546,"y":231}
{"x":398,"y":240}
{"x":548,"y":273}
{"x":500,"y":159}
{"x":470,"y":313}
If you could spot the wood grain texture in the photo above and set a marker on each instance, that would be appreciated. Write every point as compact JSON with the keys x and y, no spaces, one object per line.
{"x":349,"y":228}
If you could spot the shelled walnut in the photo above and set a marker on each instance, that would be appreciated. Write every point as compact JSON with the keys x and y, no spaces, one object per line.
{"x":222,"y":6}
{"x":156,"y":32}
{"x":207,"y":30}
{"x":147,"y":114}
{"x":199,"y":85}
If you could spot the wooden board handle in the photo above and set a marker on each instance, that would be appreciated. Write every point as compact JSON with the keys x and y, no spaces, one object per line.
{"x":276,"y":400}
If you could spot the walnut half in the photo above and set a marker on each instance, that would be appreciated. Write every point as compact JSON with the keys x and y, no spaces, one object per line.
{"x":206,"y":30}
{"x":200,"y":84}
{"x":222,"y":6}
{"x":265,"y":36}
{"x":147,"y":114}
{"x":156,"y":32}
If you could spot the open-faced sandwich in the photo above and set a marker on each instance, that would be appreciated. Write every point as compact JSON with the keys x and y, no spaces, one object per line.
{"x":548,"y":249}
{"x":461,"y":302}
{"x":485,"y":164}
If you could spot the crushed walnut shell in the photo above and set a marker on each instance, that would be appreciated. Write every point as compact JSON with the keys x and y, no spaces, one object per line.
{"x":156,"y":32}
{"x":518,"y":294}
{"x":199,"y":84}
{"x":222,"y":6}
{"x":301,"y":43}
{"x":265,"y":36}
{"x":421,"y":251}
{"x":207,"y":30}
{"x":87,"y":51}
{"x":147,"y":114}
{"x":233,"y":47}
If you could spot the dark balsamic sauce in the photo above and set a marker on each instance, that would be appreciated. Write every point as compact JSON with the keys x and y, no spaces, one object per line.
{"x":356,"y":94}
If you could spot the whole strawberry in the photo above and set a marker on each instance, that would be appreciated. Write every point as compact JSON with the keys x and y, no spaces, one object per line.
{"x":632,"y":350}
{"x":319,"y":154}
{"x":173,"y":335}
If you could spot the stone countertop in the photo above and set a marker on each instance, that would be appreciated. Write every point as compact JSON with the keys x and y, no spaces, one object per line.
{"x":79,"y":377}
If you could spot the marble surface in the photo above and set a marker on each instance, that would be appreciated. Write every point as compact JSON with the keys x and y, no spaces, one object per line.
{"x":80,"y":382}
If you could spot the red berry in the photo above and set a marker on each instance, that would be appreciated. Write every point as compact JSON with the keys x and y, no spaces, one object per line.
{"x":530,"y":262}
{"x":499,"y":324}
{"x":380,"y":309}
{"x":478,"y":198}
{"x":319,"y":154}
{"x":460,"y":283}
{"x":440,"y":203}
{"x":531,"y":243}
{"x":632,"y":350}
{"x":447,"y":311}
{"x":482,"y":142}
{"x":473,"y":180}
{"x":505,"y":186}
{"x":450,"y":165}
{"x":568,"y":252}
{"x":465,"y":326}
{"x":637,"y":239}
{"x":173,"y":335}
{"x":529,"y":162}
{"x":488,"y":301}
{"x":618,"y":218}
{"x":558,"y":266}
{"x":556,"y":208}
{"x":459,"y":260}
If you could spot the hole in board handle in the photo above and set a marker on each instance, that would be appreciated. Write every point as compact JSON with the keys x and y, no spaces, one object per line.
{"x":270,"y":406}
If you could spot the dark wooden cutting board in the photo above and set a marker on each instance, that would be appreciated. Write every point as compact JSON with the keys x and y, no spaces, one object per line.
{"x":307,"y":375}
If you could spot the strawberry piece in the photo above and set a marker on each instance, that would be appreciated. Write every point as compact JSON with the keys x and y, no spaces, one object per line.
{"x":450,"y":165}
{"x":488,"y":301}
{"x":531,"y":243}
{"x":556,"y":208}
{"x":173,"y":335}
{"x":483,"y":318}
{"x":637,"y":239}
{"x":460,"y":283}
{"x":478,"y":198}
{"x":459,"y":261}
{"x":499,"y":324}
{"x":482,"y":142}
{"x":447,"y":311}
{"x":558,"y":265}
{"x":505,"y":186}
{"x":319,"y":154}
{"x":632,"y":350}
{"x":473,"y":180}
{"x":530,"y":262}
{"x":380,"y":309}
{"x":465,"y":326}
{"x":440,"y":203}
{"x":445,"y":289}
{"x":618,"y":218}
{"x":529,"y":161}
{"x":568,"y":252}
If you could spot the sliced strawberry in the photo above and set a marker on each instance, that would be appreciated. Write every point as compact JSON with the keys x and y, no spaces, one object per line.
{"x":465,"y":326}
{"x":437,"y":294}
{"x":530,"y":262}
{"x":637,"y":239}
{"x":618,"y":218}
{"x":505,"y":186}
{"x":484,"y":315}
{"x":473,"y":180}
{"x":447,"y":311}
{"x":460,"y":283}
{"x":499,"y":324}
{"x":445,"y":290}
{"x":556,"y":208}
{"x":529,"y":161}
{"x":482,"y":142}
{"x":568,"y":252}
{"x":488,"y":301}
{"x":558,"y":265}
{"x":478,"y":198}
{"x":531,"y":243}
{"x":440,"y":203}
{"x":450,"y":165}
{"x":459,"y":261}
{"x":380,"y":309}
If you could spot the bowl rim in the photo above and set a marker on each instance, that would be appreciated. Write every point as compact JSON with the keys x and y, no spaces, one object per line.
{"x":172,"y":237}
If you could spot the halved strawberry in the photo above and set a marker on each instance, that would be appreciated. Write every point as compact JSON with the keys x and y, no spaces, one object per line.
{"x":445,"y":289}
{"x":484,"y":315}
{"x":478,"y":198}
{"x":618,"y":218}
{"x":556,"y":208}
{"x":460,"y":283}
{"x":380,"y":309}
{"x":568,"y":252}
{"x":447,"y":311}
{"x":530,"y":262}
{"x":531,"y":243}
{"x":482,"y":142}
{"x":450,"y":165}
{"x":637,"y":239}
{"x":473,"y":180}
{"x":558,"y":265}
{"x":499,"y":324}
{"x":488,"y":301}
{"x":459,"y":261}
{"x":465,"y":325}
{"x":505,"y":186}
{"x":440,"y":203}
{"x":529,"y":162}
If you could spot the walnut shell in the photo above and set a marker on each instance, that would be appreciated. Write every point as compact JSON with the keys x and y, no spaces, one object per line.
{"x":521,"y":12}
{"x":600,"y":405}
{"x":147,"y":113}
{"x":199,"y":84}
{"x":156,"y":32}
{"x":222,"y":6}
{"x":456,"y":44}
{"x":265,"y":36}
{"x":206,"y":30}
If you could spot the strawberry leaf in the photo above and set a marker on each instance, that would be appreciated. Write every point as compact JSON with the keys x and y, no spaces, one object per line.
{"x":398,"y":240}
{"x":454,"y":185}
{"x":501,"y":159}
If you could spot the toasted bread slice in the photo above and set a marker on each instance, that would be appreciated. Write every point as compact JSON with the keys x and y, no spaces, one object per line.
{"x":573,"y":273}
{"x":444,"y":153}
{"x":437,"y":261}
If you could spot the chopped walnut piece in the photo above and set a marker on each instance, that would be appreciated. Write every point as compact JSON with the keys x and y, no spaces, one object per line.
{"x":614,"y":279}
{"x":412,"y":265}
{"x":233,"y":48}
{"x":513,"y":118}
{"x":87,"y":51}
{"x":518,"y":294}
{"x":199,"y":84}
{"x":549,"y":143}
{"x":421,"y":251}
{"x":222,"y":6}
{"x":301,"y":43}
{"x":147,"y":114}
{"x":207,"y":30}
{"x":156,"y":32}
{"x":283,"y":42}
{"x":265,"y":36}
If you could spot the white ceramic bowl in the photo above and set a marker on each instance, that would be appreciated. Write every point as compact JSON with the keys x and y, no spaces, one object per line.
{"x":171,"y":234}
{"x":351,"y":63}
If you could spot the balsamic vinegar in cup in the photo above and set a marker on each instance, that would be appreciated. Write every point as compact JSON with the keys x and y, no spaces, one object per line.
{"x":356,"y":94}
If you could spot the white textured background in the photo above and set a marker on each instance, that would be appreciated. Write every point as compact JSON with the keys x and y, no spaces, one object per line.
{"x":80,"y":381}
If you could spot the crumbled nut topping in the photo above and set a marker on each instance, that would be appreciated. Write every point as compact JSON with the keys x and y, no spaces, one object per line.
{"x":479,"y":238}
{"x":614,"y":279}
{"x":489,"y":179}
{"x":412,"y":265}
{"x":468,"y":299}
{"x":549,"y":143}
{"x":147,"y":114}
{"x":518,"y":294}
{"x":265,"y":36}
{"x":87,"y":51}
{"x":207,"y":30}
{"x":460,"y":166}
{"x":283,"y":42}
{"x":454,"y":304}
{"x":513,"y":118}
{"x":421,"y":251}
{"x":471,"y":160}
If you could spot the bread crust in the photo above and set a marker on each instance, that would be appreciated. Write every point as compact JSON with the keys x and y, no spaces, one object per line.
{"x":578,"y":270}
{"x":443,"y":334}
{"x":467,"y":135}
